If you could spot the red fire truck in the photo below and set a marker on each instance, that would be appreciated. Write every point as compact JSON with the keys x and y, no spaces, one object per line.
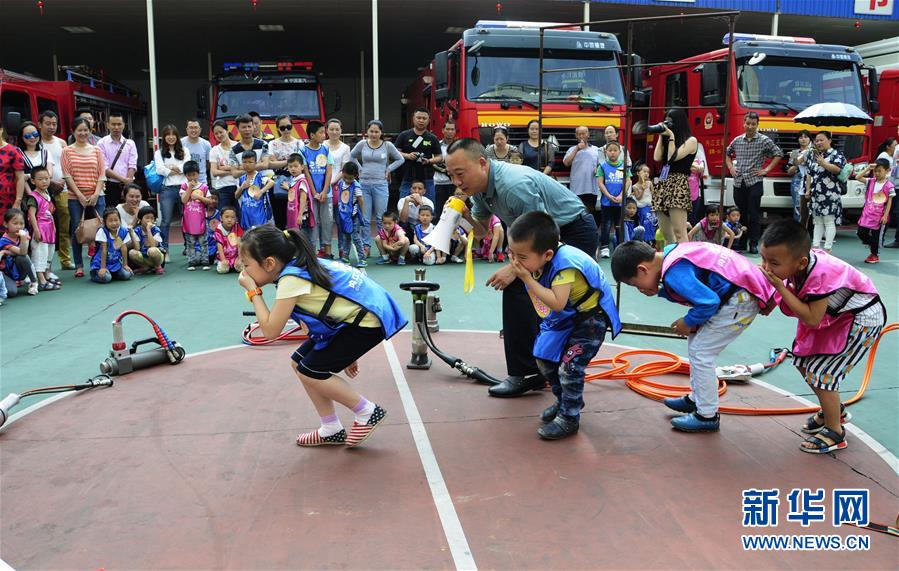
{"x":82,"y":88}
{"x":269,"y":88}
{"x":491,"y":75}
{"x":777,"y":77}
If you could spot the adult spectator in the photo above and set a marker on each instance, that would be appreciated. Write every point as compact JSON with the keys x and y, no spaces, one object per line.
{"x":378,"y":159}
{"x":797,"y":168}
{"x":582,"y":159}
{"x":170,"y":159}
{"x":258,"y":131}
{"x":745,"y":155}
{"x":611,"y":133}
{"x":699,"y":175}
{"x":443,"y":186}
{"x":824,"y":189}
{"x":280,"y":149}
{"x":131,"y":204}
{"x":49,"y":123}
{"x":421,"y":149}
{"x":248,"y":142}
{"x":224,"y":183}
{"x":85,"y":172}
{"x":85,"y":113}
{"x":501,"y":150}
{"x":120,"y":155}
{"x":676,"y":149}
{"x":894,"y":213}
{"x":12,"y":176}
{"x":537,"y":154}
{"x":508,"y":191}
{"x":32,"y":151}
{"x":340,"y":155}
{"x":198,"y":147}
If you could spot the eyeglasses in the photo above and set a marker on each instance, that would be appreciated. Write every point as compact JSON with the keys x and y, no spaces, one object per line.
{"x":34,"y":135}
{"x":285,"y":127}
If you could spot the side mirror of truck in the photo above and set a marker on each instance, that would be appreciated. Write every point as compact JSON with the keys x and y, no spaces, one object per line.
{"x":338,"y":103}
{"x":873,"y":89}
{"x":202,"y":102}
{"x":12,"y":125}
{"x":639,"y":98}
{"x":441,"y":76}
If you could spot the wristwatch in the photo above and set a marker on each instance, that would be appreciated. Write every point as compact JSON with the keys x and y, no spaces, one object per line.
{"x":253,"y":293}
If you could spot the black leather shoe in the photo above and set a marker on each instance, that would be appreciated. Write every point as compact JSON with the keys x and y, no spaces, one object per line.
{"x":550,"y":412}
{"x":517,"y":386}
{"x":560,"y":427}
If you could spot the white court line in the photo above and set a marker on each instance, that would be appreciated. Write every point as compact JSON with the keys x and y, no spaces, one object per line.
{"x":4,"y":566}
{"x":449,"y":519}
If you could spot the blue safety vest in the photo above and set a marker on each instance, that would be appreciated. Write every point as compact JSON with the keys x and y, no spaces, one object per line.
{"x":556,"y":327}
{"x":353,"y":285}
{"x":139,"y":234}
{"x":113,"y":254}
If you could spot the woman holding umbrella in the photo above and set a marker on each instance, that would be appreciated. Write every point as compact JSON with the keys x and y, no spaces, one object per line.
{"x":823,"y":187}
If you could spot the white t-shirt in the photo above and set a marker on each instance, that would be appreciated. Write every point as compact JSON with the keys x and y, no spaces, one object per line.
{"x":878,"y":187}
{"x":413,"y":208}
{"x":221,"y":158}
{"x":164,"y":166}
{"x":127,"y":219}
{"x":646,"y":200}
{"x":101,"y":237}
{"x":340,"y":156}
{"x":54,"y":154}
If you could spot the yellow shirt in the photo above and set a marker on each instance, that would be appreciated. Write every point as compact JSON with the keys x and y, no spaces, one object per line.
{"x":579,"y":288}
{"x":311,"y":299}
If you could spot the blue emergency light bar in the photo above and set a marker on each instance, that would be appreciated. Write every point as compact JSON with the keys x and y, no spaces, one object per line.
{"x":763,"y":38}
{"x":519,"y":25}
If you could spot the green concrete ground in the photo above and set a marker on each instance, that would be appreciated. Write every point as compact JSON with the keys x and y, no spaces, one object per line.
{"x":61,"y":337}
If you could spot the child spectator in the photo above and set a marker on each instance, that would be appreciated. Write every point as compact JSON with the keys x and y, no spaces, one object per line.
{"x":879,"y":193}
{"x":3,"y":293}
{"x":16,"y":265}
{"x":733,"y":222}
{"x":492,"y":244}
{"x":299,"y":211}
{"x":840,"y":316}
{"x":195,"y":197}
{"x":346,"y":313}
{"x":227,"y":241}
{"x":418,"y":250}
{"x":710,"y":229}
{"x":577,"y":306}
{"x":614,"y":181}
{"x":320,"y":163}
{"x":642,"y":192}
{"x":632,"y":228}
{"x":724,"y":291}
{"x":110,"y":261}
{"x":392,"y":241}
{"x":146,"y":254}
{"x":252,"y":193}
{"x":43,"y":240}
{"x":350,"y":225}
{"x":213,"y":219}
{"x":408,"y":206}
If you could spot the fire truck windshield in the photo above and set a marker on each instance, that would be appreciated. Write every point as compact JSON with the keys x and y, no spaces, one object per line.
{"x":268,"y":102}
{"x":795,"y":84}
{"x":513,"y":74}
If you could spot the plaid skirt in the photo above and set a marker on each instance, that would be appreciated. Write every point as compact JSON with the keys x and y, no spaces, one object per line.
{"x":828,"y":371}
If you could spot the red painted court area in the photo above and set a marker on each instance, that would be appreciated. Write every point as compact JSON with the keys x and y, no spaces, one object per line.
{"x":195,"y":467}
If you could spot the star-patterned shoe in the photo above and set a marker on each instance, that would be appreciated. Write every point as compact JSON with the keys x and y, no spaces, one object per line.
{"x":315,"y":439}
{"x":360,"y":432}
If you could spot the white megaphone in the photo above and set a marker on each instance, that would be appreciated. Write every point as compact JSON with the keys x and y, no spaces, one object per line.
{"x":440,"y":237}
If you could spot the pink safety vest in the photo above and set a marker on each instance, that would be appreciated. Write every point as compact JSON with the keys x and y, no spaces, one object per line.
{"x":44,"y":217}
{"x":828,"y":275}
{"x":730,"y":265}
{"x":873,"y":211}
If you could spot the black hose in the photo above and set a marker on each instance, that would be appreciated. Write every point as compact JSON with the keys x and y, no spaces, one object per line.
{"x":455,"y":362}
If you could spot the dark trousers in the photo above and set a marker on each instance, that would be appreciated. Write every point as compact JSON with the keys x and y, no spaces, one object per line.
{"x":226,"y":198}
{"x":443,"y":192}
{"x":749,"y":200}
{"x":113,"y":193}
{"x":610,"y":219}
{"x":589,"y":201}
{"x":872,"y":237}
{"x":520,"y":320}
{"x":279,"y":209}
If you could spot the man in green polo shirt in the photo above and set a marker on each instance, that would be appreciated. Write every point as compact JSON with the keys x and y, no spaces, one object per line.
{"x":508,"y":191}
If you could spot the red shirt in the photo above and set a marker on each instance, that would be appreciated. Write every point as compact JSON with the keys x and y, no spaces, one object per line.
{"x":11,"y":160}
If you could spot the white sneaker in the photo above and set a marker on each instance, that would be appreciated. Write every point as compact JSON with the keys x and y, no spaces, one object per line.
{"x":604,"y":253}
{"x":32,"y":289}
{"x":205,"y":268}
{"x":167,"y":259}
{"x":456,"y":260}
{"x":191,"y":268}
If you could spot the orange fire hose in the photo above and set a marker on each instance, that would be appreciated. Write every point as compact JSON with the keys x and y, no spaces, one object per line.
{"x":637,"y":378}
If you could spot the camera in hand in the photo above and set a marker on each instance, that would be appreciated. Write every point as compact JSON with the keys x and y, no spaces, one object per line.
{"x":660,"y":127}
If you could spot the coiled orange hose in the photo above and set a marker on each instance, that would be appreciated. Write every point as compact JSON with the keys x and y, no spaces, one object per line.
{"x":637,"y":378}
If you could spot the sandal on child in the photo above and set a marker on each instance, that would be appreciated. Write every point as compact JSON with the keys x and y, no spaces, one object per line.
{"x":821,"y":446}
{"x":79,"y":273}
{"x":48,"y":286}
{"x":812,"y":427}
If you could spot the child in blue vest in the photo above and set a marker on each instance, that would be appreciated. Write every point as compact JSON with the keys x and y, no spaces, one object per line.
{"x":110,"y":261}
{"x":724,"y":291}
{"x":571,"y":294}
{"x":213,"y":219}
{"x":252,"y":194}
{"x":350,"y":224}
{"x":614,"y":181}
{"x":145,"y":254}
{"x":347,"y":315}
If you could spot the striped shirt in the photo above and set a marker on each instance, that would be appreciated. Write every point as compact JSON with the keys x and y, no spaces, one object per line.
{"x":748,"y":156}
{"x":844,"y":299}
{"x":84,"y":168}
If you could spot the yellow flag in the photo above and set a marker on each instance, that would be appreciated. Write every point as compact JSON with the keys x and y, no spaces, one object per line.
{"x":469,"y":264}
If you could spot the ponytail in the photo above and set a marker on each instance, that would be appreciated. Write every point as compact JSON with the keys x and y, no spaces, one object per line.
{"x":286,"y":246}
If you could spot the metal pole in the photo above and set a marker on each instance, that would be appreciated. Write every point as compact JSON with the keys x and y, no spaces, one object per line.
{"x":375,"y":88}
{"x":55,"y":67}
{"x":729,"y":67}
{"x":624,"y":130}
{"x":362,"y":118}
{"x":775,"y":21}
{"x":586,"y":14}
{"x":540,"y":109}
{"x":151,"y":47}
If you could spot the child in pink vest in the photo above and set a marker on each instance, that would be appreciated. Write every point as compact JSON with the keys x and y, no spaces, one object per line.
{"x":40,"y":215}
{"x":195,"y":196}
{"x":840,"y":316}
{"x":879,"y":193}
{"x":227,"y":242}
{"x":724,"y":291}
